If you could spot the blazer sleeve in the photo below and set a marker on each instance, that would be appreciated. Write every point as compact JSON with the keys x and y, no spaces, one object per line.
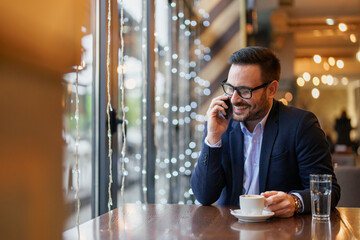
{"x":313,"y":156}
{"x":208,"y":178}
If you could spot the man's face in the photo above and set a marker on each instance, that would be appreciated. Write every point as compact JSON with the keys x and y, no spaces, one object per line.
{"x":252,"y":110}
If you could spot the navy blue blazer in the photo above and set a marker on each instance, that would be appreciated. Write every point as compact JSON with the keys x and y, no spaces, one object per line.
{"x":293,"y":147}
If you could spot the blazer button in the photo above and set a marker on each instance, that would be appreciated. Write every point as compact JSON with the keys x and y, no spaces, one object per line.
{"x":205,"y":159}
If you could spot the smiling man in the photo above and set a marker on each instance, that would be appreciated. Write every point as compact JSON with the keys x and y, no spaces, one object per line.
{"x":265,"y":147}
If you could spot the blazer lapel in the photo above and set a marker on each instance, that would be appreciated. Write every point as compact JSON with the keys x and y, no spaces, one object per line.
{"x":269,"y":136}
{"x":237,"y":158}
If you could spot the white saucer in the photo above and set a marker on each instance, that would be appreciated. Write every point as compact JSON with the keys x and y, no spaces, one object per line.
{"x":256,"y":218}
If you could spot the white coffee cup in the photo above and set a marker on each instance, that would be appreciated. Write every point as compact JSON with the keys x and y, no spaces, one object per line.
{"x":252,"y":205}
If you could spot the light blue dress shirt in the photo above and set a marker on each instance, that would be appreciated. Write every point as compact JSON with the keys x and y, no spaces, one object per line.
{"x":252,"y":149}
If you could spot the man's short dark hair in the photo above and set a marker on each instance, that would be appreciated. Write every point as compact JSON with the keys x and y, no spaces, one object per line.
{"x":264,"y":57}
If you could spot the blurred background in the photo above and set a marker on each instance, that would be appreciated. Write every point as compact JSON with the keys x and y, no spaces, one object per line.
{"x":158,"y":63}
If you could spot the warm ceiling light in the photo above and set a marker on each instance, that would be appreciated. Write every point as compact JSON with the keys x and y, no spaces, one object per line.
{"x":353,"y":38}
{"x":340,"y":63}
{"x":300,"y":81}
{"x":326,"y":66}
{"x":344,"y":81}
{"x":316,"y":81}
{"x":331,"y":61}
{"x":330,"y":21}
{"x":342,"y":27}
{"x":324,"y":79}
{"x":306,"y":76}
{"x":315,"y":93}
{"x":358,"y":55}
{"x":330,"y":80}
{"x":317,"y":58}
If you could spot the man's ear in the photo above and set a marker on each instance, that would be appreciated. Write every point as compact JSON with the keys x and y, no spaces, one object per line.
{"x":273,"y":87}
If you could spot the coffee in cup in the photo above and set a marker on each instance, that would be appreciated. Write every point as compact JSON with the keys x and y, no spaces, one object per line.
{"x":252,"y":205}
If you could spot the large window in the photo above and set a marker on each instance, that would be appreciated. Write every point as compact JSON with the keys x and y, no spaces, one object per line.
{"x":162,"y":93}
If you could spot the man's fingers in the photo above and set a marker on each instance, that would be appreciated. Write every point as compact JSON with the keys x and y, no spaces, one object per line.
{"x":276,"y":198}
{"x":217,"y":106}
{"x":273,"y":197}
{"x":215,"y":110}
{"x":269,"y":193}
{"x":279,"y":203}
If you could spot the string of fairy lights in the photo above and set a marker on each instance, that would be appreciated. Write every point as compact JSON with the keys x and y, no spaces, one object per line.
{"x":144,"y":100}
{"x":108,"y":106}
{"x":122,"y":92}
{"x":77,"y":140}
{"x":183,"y":115}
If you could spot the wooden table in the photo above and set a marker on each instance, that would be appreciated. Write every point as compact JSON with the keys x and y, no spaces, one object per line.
{"x":157,"y":221}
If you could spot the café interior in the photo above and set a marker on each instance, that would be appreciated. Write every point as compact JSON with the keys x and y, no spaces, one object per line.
{"x":104,"y":103}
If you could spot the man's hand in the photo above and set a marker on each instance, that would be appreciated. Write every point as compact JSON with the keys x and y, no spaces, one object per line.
{"x":282,"y":204}
{"x":216,"y":124}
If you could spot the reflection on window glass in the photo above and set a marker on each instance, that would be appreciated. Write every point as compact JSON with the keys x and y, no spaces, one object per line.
{"x":177,"y":135}
{"x":85,"y":147}
{"x":133,"y":83}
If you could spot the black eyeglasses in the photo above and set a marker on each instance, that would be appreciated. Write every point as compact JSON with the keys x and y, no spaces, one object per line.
{"x":244,"y":92}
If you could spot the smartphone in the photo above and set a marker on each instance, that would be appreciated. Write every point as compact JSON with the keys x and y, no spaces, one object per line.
{"x":228,"y":110}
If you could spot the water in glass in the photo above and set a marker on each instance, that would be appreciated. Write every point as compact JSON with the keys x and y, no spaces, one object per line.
{"x":320,"y":199}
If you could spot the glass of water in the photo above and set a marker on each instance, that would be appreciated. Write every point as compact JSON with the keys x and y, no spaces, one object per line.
{"x":320,"y":188}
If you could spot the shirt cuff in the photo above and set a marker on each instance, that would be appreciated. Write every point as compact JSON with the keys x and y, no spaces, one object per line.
{"x":301,"y":200}
{"x":216,"y":145}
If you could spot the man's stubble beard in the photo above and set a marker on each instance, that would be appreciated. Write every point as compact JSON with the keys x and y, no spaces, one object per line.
{"x":260,"y":114}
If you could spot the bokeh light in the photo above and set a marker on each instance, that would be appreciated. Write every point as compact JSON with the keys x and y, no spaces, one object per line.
{"x":340,"y":64}
{"x":315,"y":93}
{"x":300,"y":81}
{"x":342,"y":27}
{"x":316,"y":81}
{"x":306,"y":76}
{"x":317,"y":58}
{"x":331,"y":61}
